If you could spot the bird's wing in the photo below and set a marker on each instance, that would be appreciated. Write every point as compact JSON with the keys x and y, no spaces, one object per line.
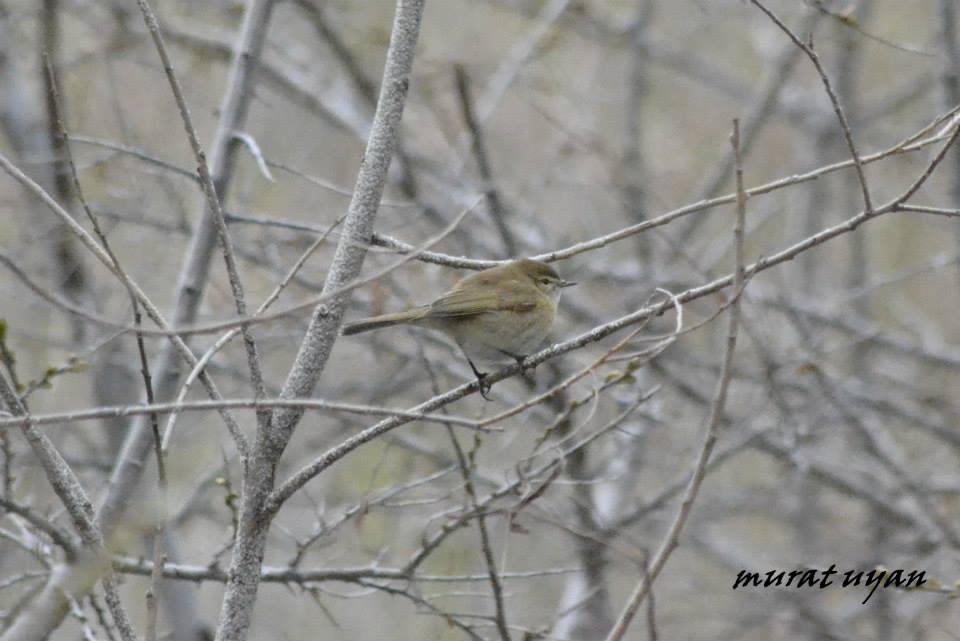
{"x":470,"y":301}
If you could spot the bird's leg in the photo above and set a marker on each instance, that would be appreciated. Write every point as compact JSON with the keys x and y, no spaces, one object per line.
{"x":481,"y":380}
{"x":481,"y":376}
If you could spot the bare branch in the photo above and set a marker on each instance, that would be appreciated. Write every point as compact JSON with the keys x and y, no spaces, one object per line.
{"x":323,"y":329}
{"x":807,"y":48}
{"x":672,"y":538}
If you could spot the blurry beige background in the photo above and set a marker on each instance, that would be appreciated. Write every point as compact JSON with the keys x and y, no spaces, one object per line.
{"x":839,"y":443}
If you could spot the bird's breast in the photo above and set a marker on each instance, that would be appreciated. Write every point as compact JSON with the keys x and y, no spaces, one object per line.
{"x":492,"y":336}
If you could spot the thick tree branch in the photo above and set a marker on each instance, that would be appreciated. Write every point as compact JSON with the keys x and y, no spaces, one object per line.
{"x":324,"y":326}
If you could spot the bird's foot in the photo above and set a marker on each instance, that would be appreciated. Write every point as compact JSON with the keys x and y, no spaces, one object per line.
{"x":485,"y":385}
{"x":481,"y":380}
{"x":525,"y":370}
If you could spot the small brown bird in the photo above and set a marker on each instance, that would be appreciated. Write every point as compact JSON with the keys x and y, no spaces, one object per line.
{"x":504,"y":311}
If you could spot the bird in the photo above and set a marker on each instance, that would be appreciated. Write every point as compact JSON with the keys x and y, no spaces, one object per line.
{"x":502,"y":311}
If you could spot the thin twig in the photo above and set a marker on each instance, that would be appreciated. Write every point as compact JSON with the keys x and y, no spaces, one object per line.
{"x":59,"y":536}
{"x":68,"y":489}
{"x":255,"y":20}
{"x":512,"y":488}
{"x":226,"y":338}
{"x":479,"y":147}
{"x":104,"y":257}
{"x":807,"y":48}
{"x":238,"y":403}
{"x":937,"y":211}
{"x":467,"y":464}
{"x":912,"y":143}
{"x":671,"y":539}
{"x":156,"y":575}
{"x":141,"y":349}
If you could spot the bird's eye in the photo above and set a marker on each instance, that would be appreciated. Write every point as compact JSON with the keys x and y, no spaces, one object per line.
{"x":544,"y":281}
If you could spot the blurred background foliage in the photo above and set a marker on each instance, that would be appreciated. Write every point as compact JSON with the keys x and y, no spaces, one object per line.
{"x":840,"y":442}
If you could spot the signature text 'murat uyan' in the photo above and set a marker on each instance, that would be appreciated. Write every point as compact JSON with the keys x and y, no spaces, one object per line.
{"x":813,"y":578}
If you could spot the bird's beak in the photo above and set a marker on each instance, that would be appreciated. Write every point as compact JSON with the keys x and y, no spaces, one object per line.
{"x":567,"y":283}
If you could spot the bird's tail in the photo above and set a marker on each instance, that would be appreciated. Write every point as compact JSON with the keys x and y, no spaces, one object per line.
{"x":387,"y":320}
